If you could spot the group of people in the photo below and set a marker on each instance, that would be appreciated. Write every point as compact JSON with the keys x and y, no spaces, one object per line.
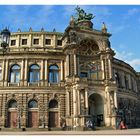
{"x":122,"y":125}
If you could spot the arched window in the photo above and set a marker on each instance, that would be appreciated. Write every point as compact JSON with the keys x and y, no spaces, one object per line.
{"x":15,"y":74}
{"x":53,"y":74}
{"x":12,"y":104}
{"x":53,"y":104}
{"x":33,"y":104}
{"x":34,"y":73}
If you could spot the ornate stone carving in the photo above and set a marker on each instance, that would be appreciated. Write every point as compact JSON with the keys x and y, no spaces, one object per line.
{"x":82,"y":15}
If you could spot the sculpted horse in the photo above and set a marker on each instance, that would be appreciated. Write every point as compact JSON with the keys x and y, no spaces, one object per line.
{"x":82,"y":14}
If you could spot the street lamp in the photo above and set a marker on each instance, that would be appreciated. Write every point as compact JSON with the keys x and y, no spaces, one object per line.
{"x":5,"y":38}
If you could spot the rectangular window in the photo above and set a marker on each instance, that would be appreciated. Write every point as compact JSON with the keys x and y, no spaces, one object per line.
{"x":24,"y":41}
{"x":13,"y":42}
{"x":59,"y":42}
{"x":36,"y":41}
{"x":48,"y":41}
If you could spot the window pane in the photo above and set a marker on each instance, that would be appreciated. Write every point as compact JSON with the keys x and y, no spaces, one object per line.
{"x":12,"y":77}
{"x":12,"y":104}
{"x":36,"y":41}
{"x":17,"y":77}
{"x":34,"y":67}
{"x":53,"y":104}
{"x":83,"y":74}
{"x":51,"y":77}
{"x":53,"y":67}
{"x":24,"y":41}
{"x":13,"y":42}
{"x":55,"y":80}
{"x":15,"y":74}
{"x":37,"y":76}
{"x":48,"y":42}
{"x":31,"y":77}
{"x":33,"y":104}
{"x":59,"y":42}
{"x":15,"y":67}
{"x":53,"y":74}
{"x":34,"y":75}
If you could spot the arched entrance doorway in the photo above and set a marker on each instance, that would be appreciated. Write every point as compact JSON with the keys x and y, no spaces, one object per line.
{"x":53,"y":114}
{"x":33,"y":114}
{"x":12,"y":114}
{"x":96,"y":108}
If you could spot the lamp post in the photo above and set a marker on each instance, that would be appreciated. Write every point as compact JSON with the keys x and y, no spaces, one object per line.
{"x":5,"y":38}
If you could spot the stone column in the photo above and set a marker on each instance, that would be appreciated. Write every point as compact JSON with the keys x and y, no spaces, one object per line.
{"x":42,"y":40}
{"x":67,"y":65}
{"x":75,"y":64}
{"x":86,"y":100}
{"x":110,"y":68}
{"x":3,"y":69}
{"x":74,"y":108}
{"x":67,"y":104}
{"x":22,"y":73}
{"x":3,"y":110}
{"x":30,"y":40}
{"x":18,"y":41}
{"x":26,"y":73}
{"x":74,"y":102}
{"x":62,"y":70}
{"x":103,"y":71}
{"x":115,"y":99}
{"x":6,"y":73}
{"x":46,"y":72}
{"x":78,"y":102}
{"x":109,"y":105}
{"x":42,"y":72}
{"x":54,"y":41}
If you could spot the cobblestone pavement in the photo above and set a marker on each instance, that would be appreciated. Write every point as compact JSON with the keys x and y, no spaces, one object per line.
{"x":96,"y":132}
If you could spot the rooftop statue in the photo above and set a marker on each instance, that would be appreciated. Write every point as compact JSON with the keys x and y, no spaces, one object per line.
{"x":82,"y":15}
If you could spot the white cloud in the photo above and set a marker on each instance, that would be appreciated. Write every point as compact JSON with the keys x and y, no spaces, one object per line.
{"x":123,"y":55}
{"x":133,"y":11}
{"x":128,"y":58}
{"x":119,"y":28}
{"x":99,"y":11}
{"x":134,"y":62}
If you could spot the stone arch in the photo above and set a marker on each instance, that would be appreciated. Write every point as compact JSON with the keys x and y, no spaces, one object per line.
{"x":53,"y":118}
{"x":12,"y":113}
{"x":96,"y":108}
{"x":33,"y":113}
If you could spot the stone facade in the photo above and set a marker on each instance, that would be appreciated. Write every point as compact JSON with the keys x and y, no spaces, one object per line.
{"x":48,"y":79}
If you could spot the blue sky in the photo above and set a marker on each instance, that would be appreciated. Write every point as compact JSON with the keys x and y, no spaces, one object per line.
{"x":123,"y":22}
